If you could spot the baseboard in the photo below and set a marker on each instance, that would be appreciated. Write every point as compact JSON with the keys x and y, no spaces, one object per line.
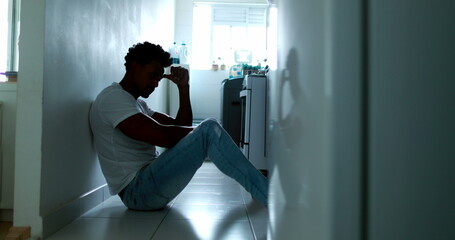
{"x":73,"y":210}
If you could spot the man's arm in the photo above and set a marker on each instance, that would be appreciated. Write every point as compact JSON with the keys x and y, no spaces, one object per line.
{"x":163,"y":118}
{"x":180,"y":77}
{"x":185,"y":113}
{"x":161,"y":129}
{"x":144,"y":128}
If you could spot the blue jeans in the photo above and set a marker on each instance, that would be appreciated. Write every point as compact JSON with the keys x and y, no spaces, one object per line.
{"x":156,"y":184}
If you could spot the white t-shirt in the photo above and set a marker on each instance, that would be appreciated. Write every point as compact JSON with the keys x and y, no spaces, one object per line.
{"x":120,"y":156}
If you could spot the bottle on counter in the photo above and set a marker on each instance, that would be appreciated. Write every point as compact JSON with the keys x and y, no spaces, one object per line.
{"x":174,"y":51}
{"x":183,"y":53}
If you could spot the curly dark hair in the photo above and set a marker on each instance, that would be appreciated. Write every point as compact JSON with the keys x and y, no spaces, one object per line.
{"x":144,"y":53}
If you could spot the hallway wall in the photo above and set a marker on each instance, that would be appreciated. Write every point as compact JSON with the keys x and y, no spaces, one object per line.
{"x":300,"y":130}
{"x":412,"y":131}
{"x":362,"y":129}
{"x":70,"y":51}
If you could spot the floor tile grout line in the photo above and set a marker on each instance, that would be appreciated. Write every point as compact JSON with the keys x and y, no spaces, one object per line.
{"x":164,"y":217}
{"x":250,"y":221}
{"x":167,"y":213}
{"x":248,"y":216}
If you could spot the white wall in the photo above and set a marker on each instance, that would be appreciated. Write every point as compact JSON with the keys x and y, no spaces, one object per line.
{"x":412,"y":120}
{"x":363,"y":131}
{"x":70,"y":50}
{"x":184,"y":22}
{"x":206,"y":93}
{"x":315,"y":119}
{"x":159,"y":27}
{"x":27,"y":175}
{"x":300,"y":138}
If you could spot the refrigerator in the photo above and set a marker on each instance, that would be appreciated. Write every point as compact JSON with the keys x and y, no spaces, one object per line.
{"x":361,"y":124}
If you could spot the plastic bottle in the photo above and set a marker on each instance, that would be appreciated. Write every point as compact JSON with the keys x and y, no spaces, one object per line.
{"x":183,"y":53}
{"x":174,"y":51}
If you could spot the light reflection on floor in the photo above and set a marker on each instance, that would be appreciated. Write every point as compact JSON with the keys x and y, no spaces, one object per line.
{"x":212,"y":206}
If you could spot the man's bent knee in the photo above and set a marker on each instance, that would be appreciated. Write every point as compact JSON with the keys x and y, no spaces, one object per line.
{"x":213,"y":125}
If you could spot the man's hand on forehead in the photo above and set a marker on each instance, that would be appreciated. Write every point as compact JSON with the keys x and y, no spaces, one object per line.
{"x":178,"y":75}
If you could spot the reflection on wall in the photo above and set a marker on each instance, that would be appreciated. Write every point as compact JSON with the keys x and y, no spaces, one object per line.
{"x":299,"y":138}
{"x":287,"y":132}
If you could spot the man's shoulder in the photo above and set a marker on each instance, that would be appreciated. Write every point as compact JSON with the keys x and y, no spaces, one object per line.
{"x":114,"y":91}
{"x":114,"y":87}
{"x":112,"y":105}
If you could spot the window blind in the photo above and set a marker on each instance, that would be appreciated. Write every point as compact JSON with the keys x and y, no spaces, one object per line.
{"x":239,"y":15}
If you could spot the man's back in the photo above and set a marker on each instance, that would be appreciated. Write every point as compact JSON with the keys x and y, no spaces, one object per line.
{"x":120,"y":156}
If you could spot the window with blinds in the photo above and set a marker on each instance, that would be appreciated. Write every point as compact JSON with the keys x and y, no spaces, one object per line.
{"x":220,"y":30}
{"x":239,"y":16}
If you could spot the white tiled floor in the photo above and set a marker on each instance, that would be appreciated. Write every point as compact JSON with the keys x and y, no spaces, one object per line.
{"x":212,"y":206}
